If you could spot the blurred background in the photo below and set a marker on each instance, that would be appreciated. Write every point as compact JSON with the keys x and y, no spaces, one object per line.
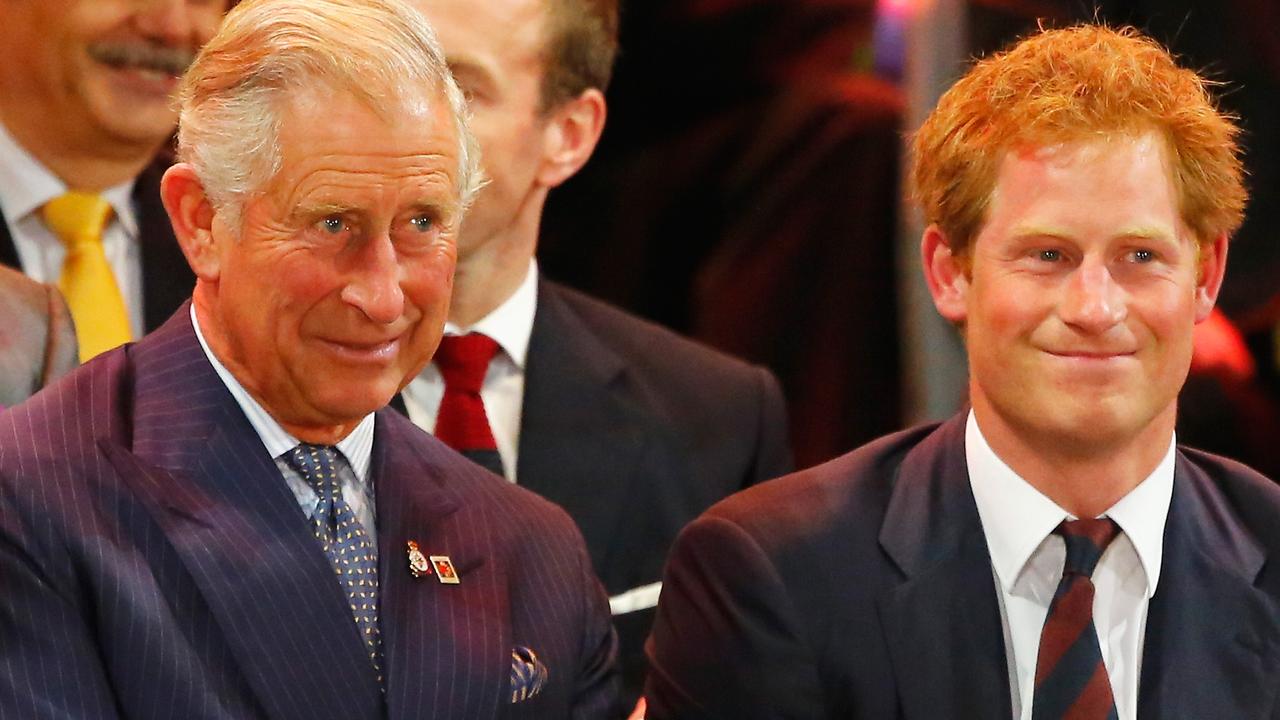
{"x":747,"y":192}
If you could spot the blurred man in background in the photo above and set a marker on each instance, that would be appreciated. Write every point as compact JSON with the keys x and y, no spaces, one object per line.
{"x":85,"y":105}
{"x":629,"y":427}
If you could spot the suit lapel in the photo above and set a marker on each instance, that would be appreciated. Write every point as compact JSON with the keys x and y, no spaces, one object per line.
{"x":574,"y":422}
{"x":447,"y":647}
{"x":202,"y":472}
{"x":1211,"y":639}
{"x":942,"y":623}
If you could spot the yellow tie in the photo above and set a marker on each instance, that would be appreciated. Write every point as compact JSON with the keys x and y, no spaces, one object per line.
{"x":97,"y":307}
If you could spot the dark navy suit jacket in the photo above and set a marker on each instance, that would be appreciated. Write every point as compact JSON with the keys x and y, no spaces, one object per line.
{"x":153,"y":564}
{"x":635,"y":431}
{"x":863,"y":589}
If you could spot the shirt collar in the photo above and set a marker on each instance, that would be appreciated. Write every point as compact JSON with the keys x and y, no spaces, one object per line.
{"x":26,"y":185}
{"x":356,"y":447}
{"x":1016,"y":518}
{"x":511,"y":323}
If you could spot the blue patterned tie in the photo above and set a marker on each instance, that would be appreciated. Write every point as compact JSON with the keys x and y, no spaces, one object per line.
{"x":345,"y":542}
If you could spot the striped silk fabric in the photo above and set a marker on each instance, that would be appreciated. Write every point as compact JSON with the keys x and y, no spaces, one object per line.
{"x":1071,"y":679}
{"x":345,"y":542}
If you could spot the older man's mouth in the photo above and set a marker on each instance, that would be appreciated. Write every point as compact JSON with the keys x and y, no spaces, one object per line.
{"x":360,"y":351}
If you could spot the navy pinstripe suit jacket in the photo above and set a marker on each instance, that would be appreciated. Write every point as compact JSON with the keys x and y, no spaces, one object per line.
{"x":154,"y":565}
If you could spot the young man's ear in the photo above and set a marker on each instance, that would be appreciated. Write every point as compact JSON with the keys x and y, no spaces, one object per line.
{"x":191,"y":214}
{"x":1212,"y":268}
{"x":571,"y":134}
{"x":946,"y":274}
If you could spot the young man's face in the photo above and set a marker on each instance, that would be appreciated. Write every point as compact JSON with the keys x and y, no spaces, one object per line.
{"x":1082,"y":290}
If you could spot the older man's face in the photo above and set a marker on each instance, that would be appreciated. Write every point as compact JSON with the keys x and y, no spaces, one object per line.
{"x":336,"y":290}
{"x":100,"y":73}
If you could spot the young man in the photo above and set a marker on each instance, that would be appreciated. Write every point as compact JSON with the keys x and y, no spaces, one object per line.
{"x":1049,"y":552}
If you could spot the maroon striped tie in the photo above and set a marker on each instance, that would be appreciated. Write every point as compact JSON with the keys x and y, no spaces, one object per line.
{"x":1071,"y":680}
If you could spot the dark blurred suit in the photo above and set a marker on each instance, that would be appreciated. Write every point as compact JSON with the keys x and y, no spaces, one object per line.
{"x":635,"y":431}
{"x":154,"y":564}
{"x":37,"y":339}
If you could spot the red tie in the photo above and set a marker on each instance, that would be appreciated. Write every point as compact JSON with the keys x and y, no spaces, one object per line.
{"x":1071,"y":679}
{"x":461,"y":422}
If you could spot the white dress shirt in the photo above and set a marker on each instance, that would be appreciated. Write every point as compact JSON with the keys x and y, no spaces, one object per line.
{"x":510,"y":325}
{"x":25,"y":187}
{"x":356,"y":448}
{"x":1027,"y":560}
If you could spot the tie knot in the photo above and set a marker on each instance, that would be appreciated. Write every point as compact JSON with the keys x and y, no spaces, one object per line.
{"x":464,"y":359}
{"x":1086,"y":541}
{"x":77,"y":218}
{"x":318,"y":465}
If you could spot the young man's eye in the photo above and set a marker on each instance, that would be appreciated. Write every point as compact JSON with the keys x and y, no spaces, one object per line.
{"x":1049,"y":255}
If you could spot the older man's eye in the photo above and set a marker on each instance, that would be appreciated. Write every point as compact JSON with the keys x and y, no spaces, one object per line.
{"x":1049,"y":255}
{"x":332,"y":224}
{"x":422,"y":223}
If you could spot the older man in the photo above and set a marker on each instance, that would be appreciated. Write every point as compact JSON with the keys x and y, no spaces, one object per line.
{"x":215,"y":522}
{"x":630,"y":428}
{"x":1051,"y":552}
{"x":85,"y":104}
{"x":37,"y":342}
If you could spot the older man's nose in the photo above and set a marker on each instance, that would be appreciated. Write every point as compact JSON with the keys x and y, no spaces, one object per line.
{"x":374,"y":284}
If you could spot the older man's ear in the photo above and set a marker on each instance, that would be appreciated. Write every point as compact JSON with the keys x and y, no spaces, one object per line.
{"x":192,"y":216}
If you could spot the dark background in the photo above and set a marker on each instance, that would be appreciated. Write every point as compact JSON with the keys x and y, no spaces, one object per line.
{"x":746,"y":188}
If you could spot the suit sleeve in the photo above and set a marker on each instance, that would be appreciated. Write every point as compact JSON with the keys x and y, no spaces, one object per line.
{"x":773,"y":448}
{"x":727,"y":642}
{"x":596,"y":687}
{"x":49,"y":663}
{"x":61,"y":352}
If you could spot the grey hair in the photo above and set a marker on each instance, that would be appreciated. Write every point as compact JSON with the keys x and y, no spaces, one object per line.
{"x":267,"y":51}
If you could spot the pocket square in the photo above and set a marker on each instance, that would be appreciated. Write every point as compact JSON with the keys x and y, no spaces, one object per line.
{"x":528,"y":674}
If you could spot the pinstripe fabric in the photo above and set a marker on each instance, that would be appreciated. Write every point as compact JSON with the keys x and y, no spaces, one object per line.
{"x":153,"y":564}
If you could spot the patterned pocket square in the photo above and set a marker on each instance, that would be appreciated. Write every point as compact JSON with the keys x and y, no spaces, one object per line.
{"x":528,"y":674}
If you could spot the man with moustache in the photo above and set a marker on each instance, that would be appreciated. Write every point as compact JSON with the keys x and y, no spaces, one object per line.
{"x":630,"y":428}
{"x":37,"y":342}
{"x":85,"y":98}
{"x":218,"y":520}
{"x":1050,"y":552}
